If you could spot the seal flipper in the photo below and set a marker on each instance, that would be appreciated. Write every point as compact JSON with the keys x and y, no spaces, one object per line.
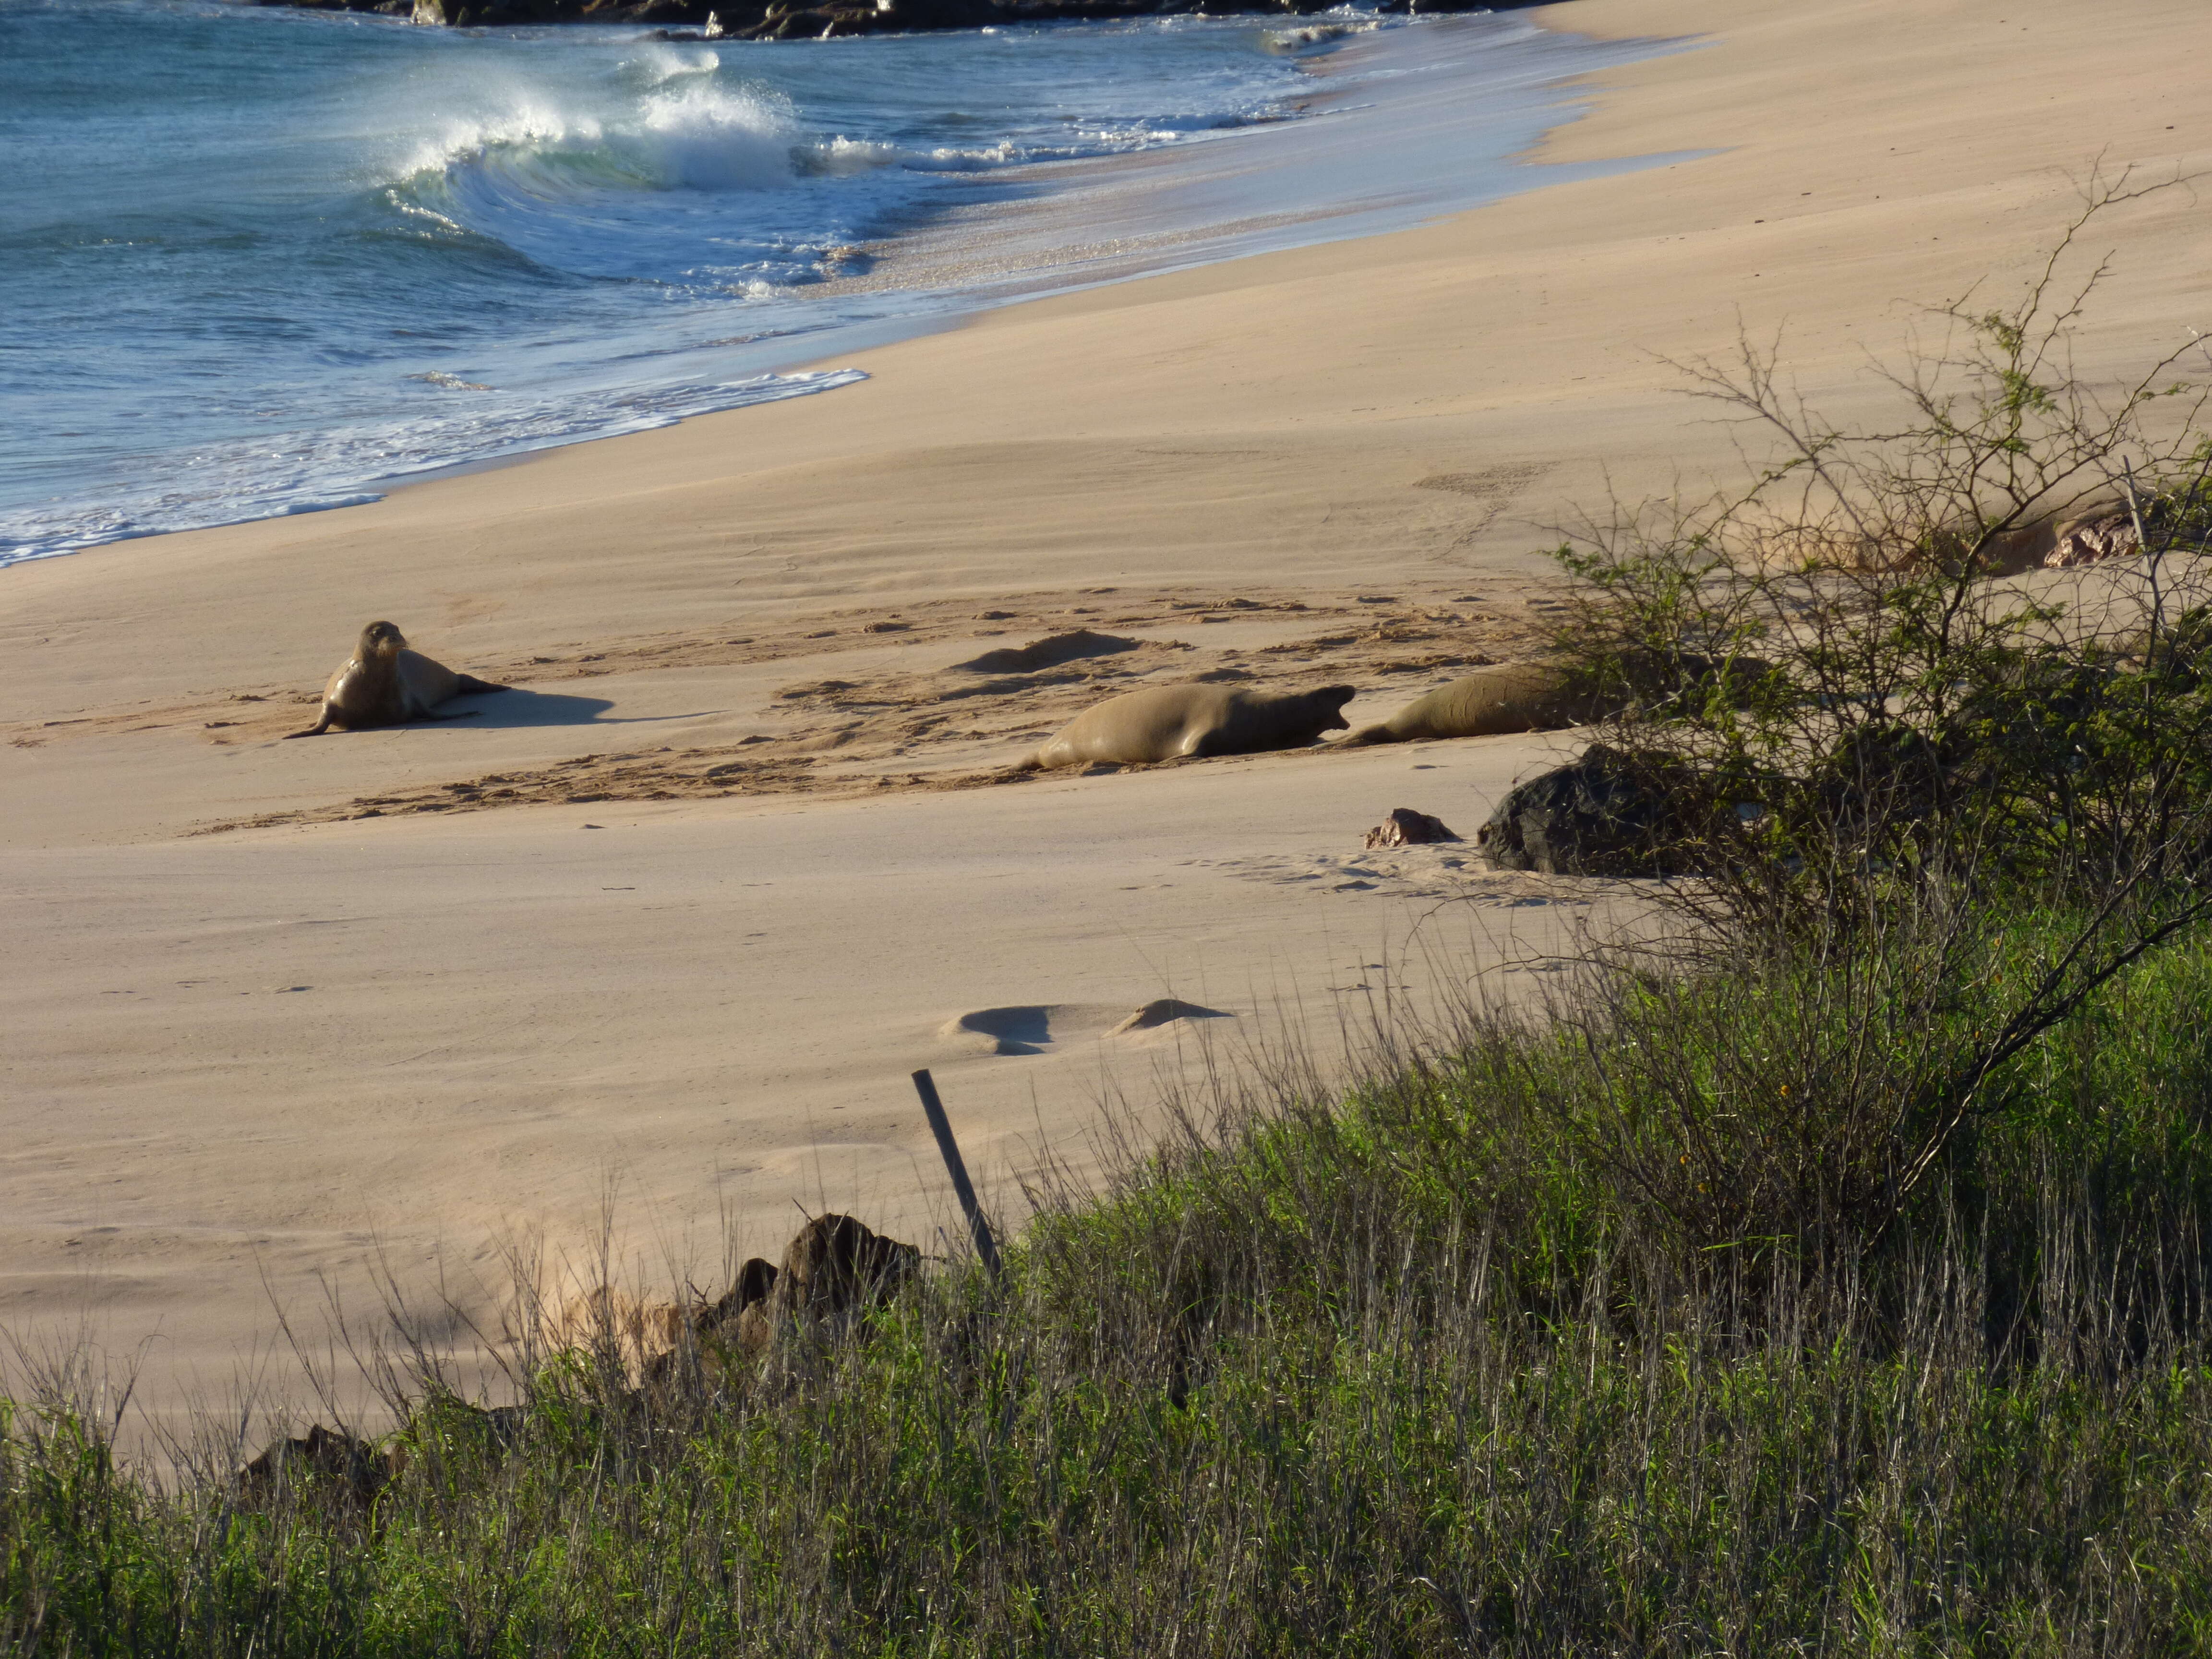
{"x":1367,"y":735}
{"x":468,"y":686}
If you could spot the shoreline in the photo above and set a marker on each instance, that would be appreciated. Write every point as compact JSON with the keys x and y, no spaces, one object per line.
{"x":721,"y":997}
{"x":1426,"y":121}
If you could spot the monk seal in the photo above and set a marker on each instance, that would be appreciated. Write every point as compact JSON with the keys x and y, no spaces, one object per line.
{"x":385,"y":683}
{"x":1508,"y":696}
{"x":1165,"y":721}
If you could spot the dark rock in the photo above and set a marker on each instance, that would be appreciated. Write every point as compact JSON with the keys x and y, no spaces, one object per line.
{"x":1602,"y":815}
{"x":671,"y":11}
{"x":932,"y":15}
{"x":1407,"y":828}
{"x":502,"y":14}
{"x":343,"y":1465}
{"x":713,"y":1327}
{"x":836,"y":1264}
{"x":832,"y":1270}
{"x":749,"y":20}
{"x":754,"y":1282}
{"x":820,"y":23}
{"x":784,"y":24}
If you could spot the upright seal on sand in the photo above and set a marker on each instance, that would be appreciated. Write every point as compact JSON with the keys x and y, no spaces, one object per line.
{"x":1509,"y":696}
{"x":1167,"y":721}
{"x":385,"y":683}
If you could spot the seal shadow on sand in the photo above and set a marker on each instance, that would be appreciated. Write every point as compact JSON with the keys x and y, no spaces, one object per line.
{"x":516,"y":707}
{"x":1032,"y":1028}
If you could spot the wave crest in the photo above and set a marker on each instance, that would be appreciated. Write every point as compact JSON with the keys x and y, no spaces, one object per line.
{"x":686,"y":137}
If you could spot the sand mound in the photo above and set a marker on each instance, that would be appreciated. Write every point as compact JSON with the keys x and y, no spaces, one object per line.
{"x":1163,"y":1010}
{"x":1032,"y":1028}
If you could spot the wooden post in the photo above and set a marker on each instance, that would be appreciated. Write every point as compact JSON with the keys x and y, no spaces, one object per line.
{"x":941,"y":1127}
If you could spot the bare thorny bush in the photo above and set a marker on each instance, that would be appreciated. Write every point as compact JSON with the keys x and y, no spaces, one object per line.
{"x":1882,"y":734}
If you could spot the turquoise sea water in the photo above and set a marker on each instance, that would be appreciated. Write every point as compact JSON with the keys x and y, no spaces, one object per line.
{"x":254,"y":261}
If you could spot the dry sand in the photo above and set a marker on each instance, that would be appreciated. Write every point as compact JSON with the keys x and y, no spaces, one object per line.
{"x":684,"y":913}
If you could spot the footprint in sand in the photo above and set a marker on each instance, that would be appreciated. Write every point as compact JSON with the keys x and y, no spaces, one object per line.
{"x":1033,"y":1028}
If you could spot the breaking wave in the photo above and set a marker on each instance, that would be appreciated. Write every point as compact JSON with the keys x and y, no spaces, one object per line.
{"x":273,"y":258}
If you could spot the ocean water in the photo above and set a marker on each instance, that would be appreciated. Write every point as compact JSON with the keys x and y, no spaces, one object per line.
{"x":256,"y":262}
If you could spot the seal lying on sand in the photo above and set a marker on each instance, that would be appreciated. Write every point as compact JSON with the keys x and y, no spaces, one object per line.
{"x":385,"y":683}
{"x":1511,"y":696}
{"x":1170,"y":720}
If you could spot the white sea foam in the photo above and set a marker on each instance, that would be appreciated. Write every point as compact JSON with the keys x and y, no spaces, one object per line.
{"x":1308,"y":36}
{"x":684,"y":137}
{"x":842,"y":156}
{"x":966,"y":157}
{"x":290,"y":473}
{"x":661,"y":61}
{"x":702,"y":138}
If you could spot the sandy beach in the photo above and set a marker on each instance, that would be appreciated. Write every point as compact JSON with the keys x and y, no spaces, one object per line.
{"x":676,"y":922}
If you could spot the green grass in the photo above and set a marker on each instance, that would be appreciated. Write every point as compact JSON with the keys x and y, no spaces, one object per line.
{"x":1434,"y":1367}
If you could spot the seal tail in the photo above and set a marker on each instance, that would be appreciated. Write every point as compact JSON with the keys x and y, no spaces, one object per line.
{"x":469,"y":685}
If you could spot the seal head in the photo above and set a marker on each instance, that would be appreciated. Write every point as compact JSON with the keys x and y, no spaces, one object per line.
{"x":380,"y":639}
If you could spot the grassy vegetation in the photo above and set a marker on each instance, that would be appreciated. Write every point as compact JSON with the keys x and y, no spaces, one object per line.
{"x":1429,"y":1370}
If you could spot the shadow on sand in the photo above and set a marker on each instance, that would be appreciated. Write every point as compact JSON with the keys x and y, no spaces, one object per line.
{"x":514,"y":708}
